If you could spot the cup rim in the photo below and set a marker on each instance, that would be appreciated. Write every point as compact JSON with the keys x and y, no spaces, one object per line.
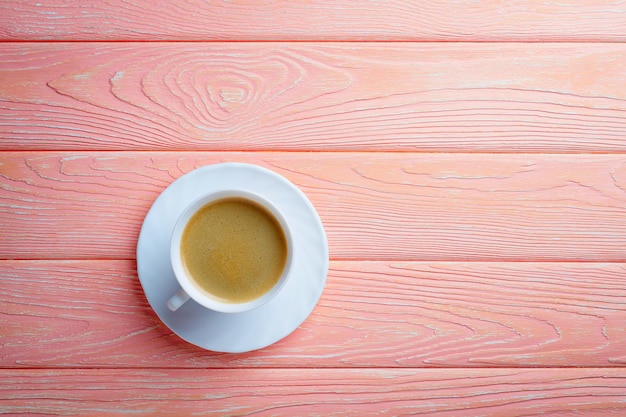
{"x":184,"y":280}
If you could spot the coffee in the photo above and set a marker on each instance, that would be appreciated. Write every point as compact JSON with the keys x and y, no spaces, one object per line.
{"x":234,"y":250}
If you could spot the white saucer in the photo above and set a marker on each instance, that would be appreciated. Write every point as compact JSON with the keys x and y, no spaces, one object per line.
{"x":234,"y":332}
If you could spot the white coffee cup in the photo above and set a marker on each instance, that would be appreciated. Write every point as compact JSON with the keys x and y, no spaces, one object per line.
{"x":190,"y":290}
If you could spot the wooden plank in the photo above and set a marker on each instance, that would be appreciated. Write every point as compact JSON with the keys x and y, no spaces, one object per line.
{"x":314,"y":392}
{"x":464,"y":97}
{"x":526,"y":20}
{"x":403,"y":206}
{"x":372,"y":314}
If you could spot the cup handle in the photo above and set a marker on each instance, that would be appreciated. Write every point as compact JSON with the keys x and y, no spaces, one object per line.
{"x":177,"y":300}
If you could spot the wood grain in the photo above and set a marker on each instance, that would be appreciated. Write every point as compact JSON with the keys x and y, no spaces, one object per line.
{"x":372,"y":314}
{"x":314,"y":392}
{"x":403,"y":206}
{"x":468,"y":97}
{"x":524,"y":20}
{"x":474,"y":195}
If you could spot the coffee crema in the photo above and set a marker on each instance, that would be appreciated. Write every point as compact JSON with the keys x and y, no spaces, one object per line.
{"x":234,"y":250}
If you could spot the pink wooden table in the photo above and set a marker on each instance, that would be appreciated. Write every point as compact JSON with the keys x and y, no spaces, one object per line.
{"x":468,"y":161}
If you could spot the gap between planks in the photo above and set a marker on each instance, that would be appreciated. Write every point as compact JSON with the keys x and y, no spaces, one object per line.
{"x":329,"y":151}
{"x":361,"y":260}
{"x":312,"y":41}
{"x":296,"y":367}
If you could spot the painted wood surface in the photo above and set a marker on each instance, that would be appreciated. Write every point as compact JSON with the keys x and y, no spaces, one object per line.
{"x":485,"y":20}
{"x":468,"y":97}
{"x":403,"y":206}
{"x":371,"y":314}
{"x":474,"y":195}
{"x":314,"y":392}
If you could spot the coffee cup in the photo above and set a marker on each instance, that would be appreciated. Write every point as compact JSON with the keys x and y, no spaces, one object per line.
{"x":231,"y":251}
